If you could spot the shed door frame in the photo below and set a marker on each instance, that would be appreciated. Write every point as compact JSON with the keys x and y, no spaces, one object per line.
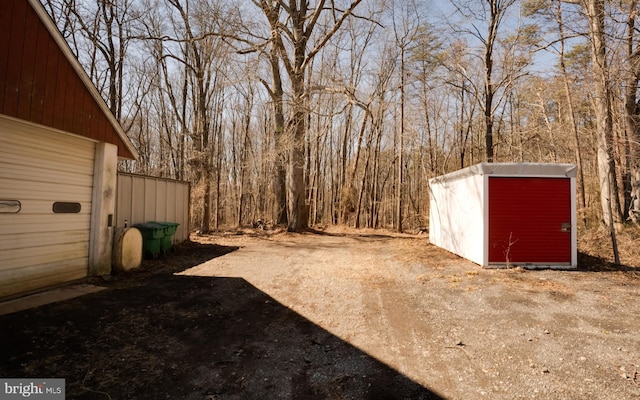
{"x":524,"y":223}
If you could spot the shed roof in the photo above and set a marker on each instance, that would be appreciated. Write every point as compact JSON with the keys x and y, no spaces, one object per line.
{"x":511,"y":169}
{"x":41,"y":81}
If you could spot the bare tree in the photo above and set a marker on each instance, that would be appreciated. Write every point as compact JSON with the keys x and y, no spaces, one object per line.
{"x":631,"y":177}
{"x":107,"y":26}
{"x":609,"y":200}
{"x":570,"y":112}
{"x":293,"y":24}
{"x":406,"y":26}
{"x":611,"y":210}
{"x":201,"y":56}
{"x":492,"y":12}
{"x":276,"y":93}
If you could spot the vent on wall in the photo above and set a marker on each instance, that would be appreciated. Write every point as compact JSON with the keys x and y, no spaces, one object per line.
{"x":63,"y":207}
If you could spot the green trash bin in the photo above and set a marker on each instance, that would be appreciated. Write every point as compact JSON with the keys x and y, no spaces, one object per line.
{"x":152,"y":238}
{"x":166,"y":243}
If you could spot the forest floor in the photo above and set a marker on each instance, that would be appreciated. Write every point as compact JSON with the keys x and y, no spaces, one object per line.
{"x":338,"y":314}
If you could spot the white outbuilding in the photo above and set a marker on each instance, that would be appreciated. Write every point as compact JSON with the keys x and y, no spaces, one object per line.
{"x":507,"y":214}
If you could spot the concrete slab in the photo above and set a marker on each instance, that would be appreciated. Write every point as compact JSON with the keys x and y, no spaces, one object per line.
{"x":50,"y":296}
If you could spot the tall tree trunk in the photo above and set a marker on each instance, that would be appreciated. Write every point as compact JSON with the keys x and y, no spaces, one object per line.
{"x":378,"y":187}
{"x":489,"y":88}
{"x":277,"y":96}
{"x":365,"y":174}
{"x":611,"y":210}
{"x":344,"y":154}
{"x":606,"y":162}
{"x":400,"y":143}
{"x":631,"y":176}
{"x":246,"y":145}
{"x":298,"y":211}
{"x":571,"y":113}
{"x":348,"y":197}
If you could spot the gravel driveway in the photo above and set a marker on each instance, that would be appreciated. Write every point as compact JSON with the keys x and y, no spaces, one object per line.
{"x":335,"y":315}
{"x":459,"y":330}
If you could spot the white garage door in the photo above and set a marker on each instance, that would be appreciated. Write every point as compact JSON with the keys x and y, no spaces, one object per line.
{"x":46,"y":180}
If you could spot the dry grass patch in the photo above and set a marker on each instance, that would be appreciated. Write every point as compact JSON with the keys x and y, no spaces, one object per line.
{"x":596,"y":250}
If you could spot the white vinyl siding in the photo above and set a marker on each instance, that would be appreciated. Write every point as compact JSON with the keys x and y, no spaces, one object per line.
{"x":38,"y":167}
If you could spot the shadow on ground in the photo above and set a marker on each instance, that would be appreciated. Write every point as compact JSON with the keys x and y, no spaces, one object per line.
{"x":588,"y":262}
{"x":155,"y":335}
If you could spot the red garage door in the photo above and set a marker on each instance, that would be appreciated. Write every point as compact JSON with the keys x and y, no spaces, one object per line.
{"x":530,"y":220}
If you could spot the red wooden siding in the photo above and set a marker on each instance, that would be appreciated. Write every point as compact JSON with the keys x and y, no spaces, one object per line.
{"x":525,"y":220}
{"x":38,"y":84}
{"x":5,"y":29}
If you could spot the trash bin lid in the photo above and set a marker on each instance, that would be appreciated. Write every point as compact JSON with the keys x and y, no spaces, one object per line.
{"x":151,"y":230}
{"x":169,"y":227}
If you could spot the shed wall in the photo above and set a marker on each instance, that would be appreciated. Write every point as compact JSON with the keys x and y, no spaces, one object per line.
{"x":456,"y":213}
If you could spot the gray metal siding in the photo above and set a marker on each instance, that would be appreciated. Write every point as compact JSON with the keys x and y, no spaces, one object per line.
{"x":144,"y":198}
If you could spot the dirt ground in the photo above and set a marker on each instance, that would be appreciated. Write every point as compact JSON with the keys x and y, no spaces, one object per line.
{"x":336,"y":315}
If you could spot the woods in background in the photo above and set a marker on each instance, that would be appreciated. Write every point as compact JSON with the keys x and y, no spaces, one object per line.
{"x":324,"y":112}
